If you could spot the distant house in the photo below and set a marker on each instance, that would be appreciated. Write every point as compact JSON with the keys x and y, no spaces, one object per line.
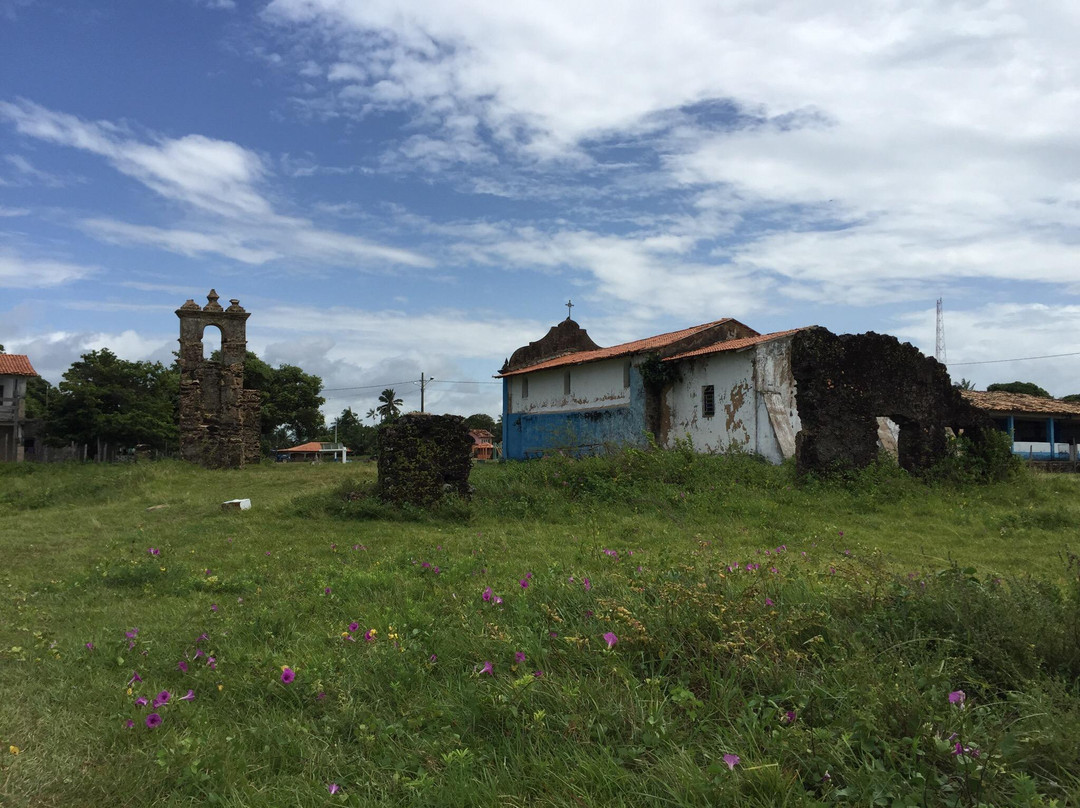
{"x":15,"y":369}
{"x":483,"y":447}
{"x":721,"y":385}
{"x":313,"y":452}
{"x":1041,"y":428}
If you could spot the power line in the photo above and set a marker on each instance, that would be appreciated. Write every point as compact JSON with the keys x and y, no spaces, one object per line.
{"x":1018,"y":359}
{"x":384,"y":385}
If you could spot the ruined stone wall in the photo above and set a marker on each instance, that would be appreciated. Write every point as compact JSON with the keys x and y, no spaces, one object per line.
{"x":845,"y":382}
{"x":422,"y":457}
{"x":219,"y":419}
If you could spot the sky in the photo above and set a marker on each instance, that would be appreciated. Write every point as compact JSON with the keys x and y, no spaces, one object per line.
{"x":410,"y":187}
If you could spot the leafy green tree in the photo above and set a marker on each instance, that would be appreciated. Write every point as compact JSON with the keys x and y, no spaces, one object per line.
{"x":38,"y":394}
{"x":355,"y":434}
{"x":108,"y":399}
{"x":290,"y":402}
{"x":481,"y":420}
{"x":1071,"y":397}
{"x":1027,"y":388}
{"x":389,"y":405}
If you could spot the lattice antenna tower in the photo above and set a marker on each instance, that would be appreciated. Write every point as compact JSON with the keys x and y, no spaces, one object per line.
{"x":939,"y":347}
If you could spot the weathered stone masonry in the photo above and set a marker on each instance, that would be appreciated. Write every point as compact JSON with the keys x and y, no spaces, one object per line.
{"x":219,"y":419}
{"x":845,"y":382}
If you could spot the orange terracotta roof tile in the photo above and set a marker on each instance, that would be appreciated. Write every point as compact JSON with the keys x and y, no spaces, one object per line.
{"x":13,"y":364}
{"x":313,"y":446}
{"x":625,"y":349}
{"x":734,"y":344}
{"x":1020,"y":403}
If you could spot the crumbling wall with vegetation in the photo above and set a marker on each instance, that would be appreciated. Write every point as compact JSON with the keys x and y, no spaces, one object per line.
{"x":845,"y":382}
{"x":422,"y":457}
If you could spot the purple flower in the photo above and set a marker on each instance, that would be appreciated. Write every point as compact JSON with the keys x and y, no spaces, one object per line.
{"x":153,"y":720}
{"x":333,"y":788}
{"x":153,"y":551}
{"x":213,"y":607}
{"x":131,"y":635}
{"x":957,"y":697}
{"x":134,"y":678}
{"x":142,"y":701}
{"x":287,"y":675}
{"x":486,"y":595}
{"x":161,"y":698}
{"x":488,"y":668}
{"x":524,"y":583}
{"x":587,"y":584}
{"x":182,"y":666}
{"x":320,"y":696}
{"x":519,"y":657}
{"x":369,"y":635}
{"x":498,"y":601}
{"x":326,"y":591}
{"x":537,"y":674}
{"x":789,"y":717}
{"x":354,"y":626}
{"x":211,"y":663}
{"x":129,"y":723}
{"x":89,"y":646}
{"x":610,"y":639}
{"x":433,"y":658}
{"x":189,"y":696}
{"x":731,"y":760}
{"x":769,"y":602}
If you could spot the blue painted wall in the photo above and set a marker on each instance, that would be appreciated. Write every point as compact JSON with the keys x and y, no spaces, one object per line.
{"x":588,"y":431}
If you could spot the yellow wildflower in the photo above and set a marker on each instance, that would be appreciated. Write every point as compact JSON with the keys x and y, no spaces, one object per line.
{"x":14,"y":749}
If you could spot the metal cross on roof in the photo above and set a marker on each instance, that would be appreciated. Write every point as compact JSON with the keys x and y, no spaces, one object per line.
{"x":569,"y":305}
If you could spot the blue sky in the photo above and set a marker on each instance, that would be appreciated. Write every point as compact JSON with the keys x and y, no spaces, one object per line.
{"x":402,"y":187}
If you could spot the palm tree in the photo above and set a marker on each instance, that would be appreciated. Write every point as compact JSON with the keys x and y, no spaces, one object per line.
{"x":372,"y":414}
{"x":389,"y":406}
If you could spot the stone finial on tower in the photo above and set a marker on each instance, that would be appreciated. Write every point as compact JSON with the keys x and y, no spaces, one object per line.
{"x":212,"y":304}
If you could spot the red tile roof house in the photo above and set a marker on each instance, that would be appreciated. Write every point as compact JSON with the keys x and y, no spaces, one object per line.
{"x":15,"y":369}
{"x":733,"y":389}
{"x":314,"y":451}
{"x":483,"y":447}
{"x":1042,"y":429}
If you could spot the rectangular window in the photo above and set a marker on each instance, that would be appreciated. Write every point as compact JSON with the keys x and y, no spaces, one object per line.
{"x":708,"y":401}
{"x":524,"y":386}
{"x":626,"y":374}
{"x":566,"y":383}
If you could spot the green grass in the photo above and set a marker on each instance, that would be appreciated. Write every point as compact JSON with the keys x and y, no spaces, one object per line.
{"x":888,"y":595}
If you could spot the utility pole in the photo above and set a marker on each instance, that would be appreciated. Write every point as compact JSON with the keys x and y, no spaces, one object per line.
{"x":423,"y":381}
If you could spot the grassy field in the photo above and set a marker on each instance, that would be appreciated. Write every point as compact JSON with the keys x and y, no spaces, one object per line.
{"x":649,"y":629}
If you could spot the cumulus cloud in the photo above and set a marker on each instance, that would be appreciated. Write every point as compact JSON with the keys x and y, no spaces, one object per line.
{"x":868,"y":152}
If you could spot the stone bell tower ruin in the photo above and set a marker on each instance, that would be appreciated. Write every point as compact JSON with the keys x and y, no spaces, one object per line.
{"x":219,"y":419}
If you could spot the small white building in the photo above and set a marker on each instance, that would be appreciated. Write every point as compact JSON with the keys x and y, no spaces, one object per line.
{"x":15,"y":370}
{"x":721,"y":385}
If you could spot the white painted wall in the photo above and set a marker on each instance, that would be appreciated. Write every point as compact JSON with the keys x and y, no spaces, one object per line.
{"x":754,"y":390}
{"x":592,"y":386}
{"x":735,"y":423}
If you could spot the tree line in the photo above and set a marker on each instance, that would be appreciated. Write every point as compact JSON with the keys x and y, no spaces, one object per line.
{"x":103,"y":399}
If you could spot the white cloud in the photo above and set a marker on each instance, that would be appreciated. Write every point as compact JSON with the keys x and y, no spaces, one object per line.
{"x":877,"y":151}
{"x":994,"y":332}
{"x":17,"y":272}
{"x":219,"y":180}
